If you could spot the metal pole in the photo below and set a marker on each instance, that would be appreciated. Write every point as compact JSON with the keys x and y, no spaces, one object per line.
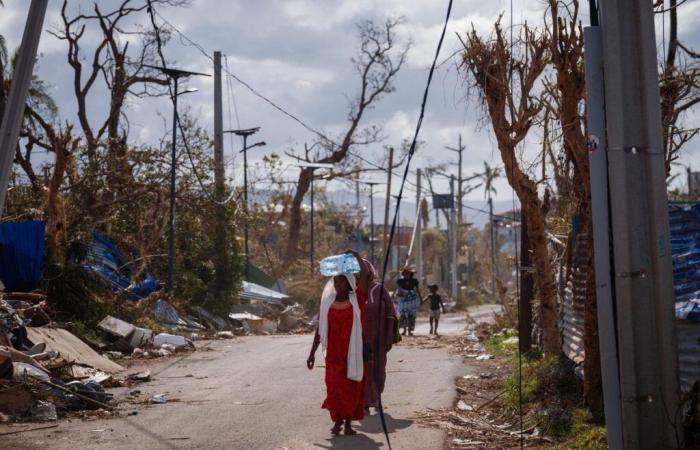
{"x":17,"y":98}
{"x":385,"y":233}
{"x":526,"y":288}
{"x":493,"y":252}
{"x":453,"y":242}
{"x":245,"y":200}
{"x":311,"y":225}
{"x":595,"y":107}
{"x":221,"y":266}
{"x":643,"y":283}
{"x":171,"y":220}
{"x":419,"y":227}
{"x":371,"y":223}
{"x":218,"y":130}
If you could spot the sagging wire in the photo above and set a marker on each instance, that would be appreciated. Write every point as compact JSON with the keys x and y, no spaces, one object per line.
{"x":387,"y":251}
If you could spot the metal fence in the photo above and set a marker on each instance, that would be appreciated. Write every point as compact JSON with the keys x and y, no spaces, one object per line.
{"x":571,"y":306}
{"x":685,"y":245}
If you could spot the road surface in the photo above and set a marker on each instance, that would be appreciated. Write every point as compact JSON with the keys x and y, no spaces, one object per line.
{"x":256,"y":393}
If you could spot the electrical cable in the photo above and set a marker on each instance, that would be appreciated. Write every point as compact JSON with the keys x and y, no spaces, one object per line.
{"x":517,"y":260}
{"x":411,"y":152}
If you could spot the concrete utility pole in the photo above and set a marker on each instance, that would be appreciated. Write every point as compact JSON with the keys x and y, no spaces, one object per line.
{"x":453,"y":242}
{"x":221,"y":266}
{"x":595,"y":108}
{"x":460,"y":180}
{"x":643,"y":282}
{"x":387,"y":206}
{"x":419,"y":228}
{"x":21,"y":78}
{"x":218,"y":132}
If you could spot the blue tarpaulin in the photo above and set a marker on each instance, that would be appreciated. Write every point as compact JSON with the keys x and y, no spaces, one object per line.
{"x":685,"y":249}
{"x":105,"y":260}
{"x":22,"y":254}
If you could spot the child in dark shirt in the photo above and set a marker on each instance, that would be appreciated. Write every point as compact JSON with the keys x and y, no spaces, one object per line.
{"x":435,"y":305}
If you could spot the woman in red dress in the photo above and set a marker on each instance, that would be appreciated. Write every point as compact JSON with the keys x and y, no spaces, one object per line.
{"x":340,"y":332}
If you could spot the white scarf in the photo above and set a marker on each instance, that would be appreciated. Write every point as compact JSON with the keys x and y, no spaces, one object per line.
{"x":355,"y":361}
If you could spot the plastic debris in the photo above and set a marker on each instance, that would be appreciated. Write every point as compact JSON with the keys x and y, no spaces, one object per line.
{"x":165,"y":338}
{"x":44,"y":411}
{"x":159,"y":398}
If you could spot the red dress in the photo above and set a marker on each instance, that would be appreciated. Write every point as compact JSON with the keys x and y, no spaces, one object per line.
{"x":344,"y":397}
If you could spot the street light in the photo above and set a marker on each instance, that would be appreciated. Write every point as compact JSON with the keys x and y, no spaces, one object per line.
{"x":174,"y":75}
{"x":313,"y":166}
{"x":245,"y":133}
{"x":371,"y":185}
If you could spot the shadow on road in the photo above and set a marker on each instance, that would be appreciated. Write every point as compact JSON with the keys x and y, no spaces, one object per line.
{"x":371,"y":425}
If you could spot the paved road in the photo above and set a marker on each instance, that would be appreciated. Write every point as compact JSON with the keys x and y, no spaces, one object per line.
{"x":255,"y":393}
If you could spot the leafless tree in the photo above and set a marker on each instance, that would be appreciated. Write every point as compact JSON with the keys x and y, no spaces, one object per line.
{"x":379,"y":60}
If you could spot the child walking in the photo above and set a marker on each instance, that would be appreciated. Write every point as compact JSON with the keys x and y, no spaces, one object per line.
{"x":435,"y":305}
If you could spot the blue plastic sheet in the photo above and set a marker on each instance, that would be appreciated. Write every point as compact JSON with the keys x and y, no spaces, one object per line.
{"x":106,"y":261}
{"x":22,"y":254}
{"x":685,"y":250}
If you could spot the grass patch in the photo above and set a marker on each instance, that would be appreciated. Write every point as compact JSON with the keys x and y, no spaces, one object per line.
{"x":499,"y":343}
{"x":583,"y":435}
{"x":532,"y":371}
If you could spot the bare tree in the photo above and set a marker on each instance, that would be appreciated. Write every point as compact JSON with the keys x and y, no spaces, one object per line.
{"x":377,"y":64}
{"x":493,"y":69}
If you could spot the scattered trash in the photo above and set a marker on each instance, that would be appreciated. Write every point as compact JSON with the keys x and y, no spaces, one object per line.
{"x":511,"y":341}
{"x":159,"y":398}
{"x":16,"y":400}
{"x":224,"y":335}
{"x":471,"y":377}
{"x":140,"y":376}
{"x":116,"y":327}
{"x":165,"y":338}
{"x":484,"y":357}
{"x":137,"y":352}
{"x":114,"y":355}
{"x":462,"y":406}
{"x":44,"y":411}
{"x":21,"y":371}
{"x":471,"y":337}
{"x":71,"y":348}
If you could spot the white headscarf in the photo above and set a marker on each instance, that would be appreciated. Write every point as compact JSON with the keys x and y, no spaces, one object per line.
{"x":355,"y":362}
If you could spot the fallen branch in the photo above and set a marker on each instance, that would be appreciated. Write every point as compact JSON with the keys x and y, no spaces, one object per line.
{"x":6,"y":433}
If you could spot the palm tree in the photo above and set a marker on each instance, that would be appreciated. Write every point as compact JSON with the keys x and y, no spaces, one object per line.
{"x":489,"y":175}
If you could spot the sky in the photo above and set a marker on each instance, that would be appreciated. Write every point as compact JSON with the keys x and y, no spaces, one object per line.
{"x":297,"y":53}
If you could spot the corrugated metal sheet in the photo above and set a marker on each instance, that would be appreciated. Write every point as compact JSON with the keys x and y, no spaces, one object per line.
{"x":688,"y":337}
{"x":572,"y":304}
{"x":252,"y":291}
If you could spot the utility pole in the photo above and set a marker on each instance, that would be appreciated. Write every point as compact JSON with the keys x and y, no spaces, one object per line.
{"x":598,"y":161}
{"x":387,"y":206}
{"x":221,"y":260}
{"x":460,"y":180}
{"x":244,"y":134}
{"x":643,"y":283}
{"x":419,"y":228}
{"x":17,"y":98}
{"x":174,"y":75}
{"x":453,"y":242}
{"x":493,"y":251}
{"x":397,"y":239}
{"x":372,"y":243}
